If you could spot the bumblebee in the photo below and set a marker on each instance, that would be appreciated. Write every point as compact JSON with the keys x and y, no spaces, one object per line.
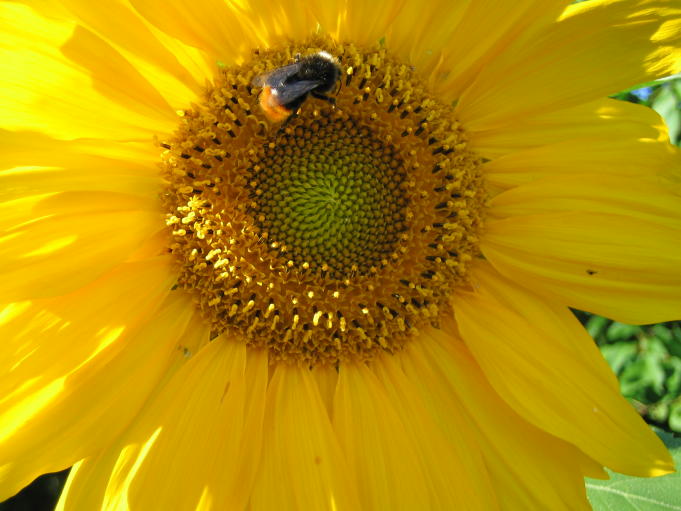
{"x":286,"y":88}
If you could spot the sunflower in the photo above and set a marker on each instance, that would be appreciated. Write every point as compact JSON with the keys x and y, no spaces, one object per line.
{"x":362,"y":306}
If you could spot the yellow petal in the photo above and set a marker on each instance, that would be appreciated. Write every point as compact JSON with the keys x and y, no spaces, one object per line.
{"x":125,"y":30}
{"x":240,"y":488}
{"x":326,"y":377}
{"x":277,"y":23}
{"x":529,"y":469}
{"x":381,"y":455}
{"x":37,"y":164}
{"x":419,"y":36}
{"x":356,"y":21}
{"x":645,"y":198}
{"x":197,"y":423}
{"x":599,"y":243}
{"x":536,"y":357}
{"x":617,"y":156}
{"x":302,"y":466}
{"x":203,"y":428}
{"x":593,"y":121}
{"x":576,"y":60}
{"x":213,"y":26}
{"x":96,"y":96}
{"x":30,"y":148}
{"x":450,"y":457}
{"x":471,"y":46}
{"x":43,"y":238}
{"x":78,"y":369}
{"x":96,"y":483}
{"x":114,"y":77}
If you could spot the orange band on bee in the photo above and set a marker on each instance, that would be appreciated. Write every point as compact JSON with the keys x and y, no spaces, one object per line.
{"x":274,"y":110}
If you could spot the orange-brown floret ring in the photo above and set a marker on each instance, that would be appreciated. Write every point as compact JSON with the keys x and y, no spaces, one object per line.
{"x":336,"y":236}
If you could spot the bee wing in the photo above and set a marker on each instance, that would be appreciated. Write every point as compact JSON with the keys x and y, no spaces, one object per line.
{"x":276,"y":77}
{"x":294,"y":90}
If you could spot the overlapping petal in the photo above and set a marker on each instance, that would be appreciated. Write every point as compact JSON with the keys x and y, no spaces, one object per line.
{"x":54,"y":83}
{"x":540,"y":360}
{"x":576,"y":60}
{"x":303,"y":465}
{"x":121,"y":27}
{"x":603,"y":120}
{"x":77,"y":369}
{"x":480,"y":36}
{"x":594,"y":244}
{"x":205,"y":422}
{"x":380,"y":452}
{"x":213,"y":26}
{"x":521,"y":473}
{"x":446,"y":442}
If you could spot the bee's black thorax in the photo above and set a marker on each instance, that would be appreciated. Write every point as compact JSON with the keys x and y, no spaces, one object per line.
{"x":318,"y":67}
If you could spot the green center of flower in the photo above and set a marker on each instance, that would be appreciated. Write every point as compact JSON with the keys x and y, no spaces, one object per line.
{"x":332,"y":195}
{"x":335,"y":235}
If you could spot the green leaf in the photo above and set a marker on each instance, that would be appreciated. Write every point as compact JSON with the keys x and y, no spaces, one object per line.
{"x":673,"y":382}
{"x":626,"y":493}
{"x":662,"y":332}
{"x":596,"y":325}
{"x":620,"y":354}
{"x":659,"y":412}
{"x":675,"y":417}
{"x":675,"y":345}
{"x":620,"y":331}
{"x":644,"y":379}
{"x":667,"y":105}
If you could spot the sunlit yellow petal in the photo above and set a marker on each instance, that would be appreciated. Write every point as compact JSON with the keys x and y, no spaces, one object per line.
{"x":473,"y":45}
{"x":522,"y":474}
{"x":620,"y":156}
{"x":211,"y":25}
{"x":607,"y":193}
{"x":576,"y":60}
{"x":196,"y":423}
{"x":45,"y":237}
{"x":35,"y":149}
{"x":44,"y":90}
{"x":125,"y":30}
{"x":91,"y":381}
{"x":354,"y":20}
{"x":380,"y":453}
{"x":112,"y":176}
{"x":539,"y":367}
{"x":302,"y":466}
{"x":320,"y":255}
{"x":327,"y":378}
{"x":597,"y":121}
{"x":90,"y":493}
{"x":604,"y":246}
{"x":445,"y":445}
{"x":271,"y":23}
{"x":114,"y":77}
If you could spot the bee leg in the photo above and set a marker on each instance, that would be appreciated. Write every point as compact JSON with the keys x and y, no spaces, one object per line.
{"x":324,"y":97}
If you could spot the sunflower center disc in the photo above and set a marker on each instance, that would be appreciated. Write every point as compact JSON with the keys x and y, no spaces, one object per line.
{"x":332,"y":195}
{"x":335,"y":236}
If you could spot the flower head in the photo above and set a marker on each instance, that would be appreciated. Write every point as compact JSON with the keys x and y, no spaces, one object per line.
{"x":355,"y":297}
